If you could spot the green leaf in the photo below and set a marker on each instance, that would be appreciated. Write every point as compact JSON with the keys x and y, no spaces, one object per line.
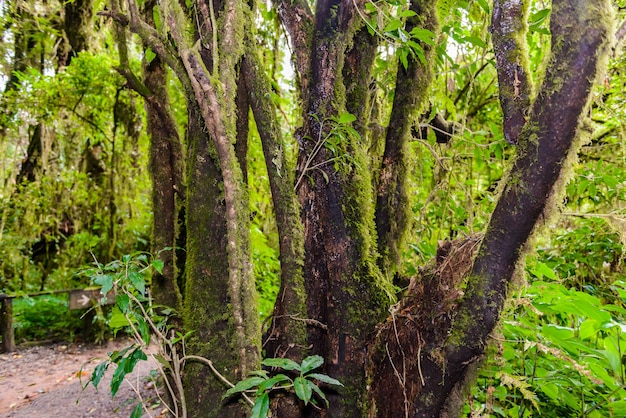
{"x":98,"y":373}
{"x":270,"y":383}
{"x":156,"y":15}
{"x":137,"y":281}
{"x":393,"y":25}
{"x":424,"y":35}
{"x":261,"y":406}
{"x":122,"y":302}
{"x":144,"y":328}
{"x":118,"y":319}
{"x":325,"y":379}
{"x":244,"y":385}
{"x":116,"y":356}
{"x":283,"y":363}
{"x":407,"y":13}
{"x":310,"y":363}
{"x":260,"y":373}
{"x":403,"y":56}
{"x":319,"y":392}
{"x":137,"y":412}
{"x":105,"y":281}
{"x":484,"y":5}
{"x":158,"y":265}
{"x":346,"y":118}
{"x":118,"y":376}
{"x":303,"y":389}
{"x":475,"y":41}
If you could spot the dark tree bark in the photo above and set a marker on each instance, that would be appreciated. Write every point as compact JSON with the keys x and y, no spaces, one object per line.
{"x":336,"y":268}
{"x":166,"y":170}
{"x":77,"y":24}
{"x":392,"y":205}
{"x":452,"y":343}
{"x":508,"y":27}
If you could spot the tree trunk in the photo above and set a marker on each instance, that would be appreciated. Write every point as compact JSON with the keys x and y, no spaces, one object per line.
{"x":435,"y":373}
{"x":207,"y":297}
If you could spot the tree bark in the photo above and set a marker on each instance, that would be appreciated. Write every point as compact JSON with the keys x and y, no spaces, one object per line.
{"x":508,"y":27}
{"x":450,"y":346}
{"x":392,"y":205}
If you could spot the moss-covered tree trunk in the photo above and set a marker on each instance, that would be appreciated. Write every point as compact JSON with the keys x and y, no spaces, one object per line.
{"x":166,"y":161}
{"x":440,"y":338}
{"x":338,"y":266}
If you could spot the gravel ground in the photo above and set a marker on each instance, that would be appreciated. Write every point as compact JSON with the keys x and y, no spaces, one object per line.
{"x":45,"y":381}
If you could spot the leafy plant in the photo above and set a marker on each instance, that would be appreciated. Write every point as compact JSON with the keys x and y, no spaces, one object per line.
{"x":304,"y":386}
{"x":128,"y":280}
{"x":560,"y":354}
{"x":45,"y":317}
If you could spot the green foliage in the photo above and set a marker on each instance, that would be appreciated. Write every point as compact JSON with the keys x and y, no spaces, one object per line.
{"x":44,"y":318}
{"x":303,"y":385}
{"x":128,"y":279}
{"x":559,"y":354}
{"x":76,"y":199}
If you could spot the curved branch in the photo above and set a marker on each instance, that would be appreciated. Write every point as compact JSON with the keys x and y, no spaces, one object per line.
{"x":451,"y":331}
{"x":580,"y":44}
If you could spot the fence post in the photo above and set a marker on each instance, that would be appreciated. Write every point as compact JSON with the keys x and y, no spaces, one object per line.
{"x":6,"y":323}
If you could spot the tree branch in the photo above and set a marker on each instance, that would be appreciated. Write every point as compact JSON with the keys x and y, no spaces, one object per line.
{"x":297,"y":18}
{"x":452,"y":332}
{"x":508,"y":28}
{"x":411,"y":92}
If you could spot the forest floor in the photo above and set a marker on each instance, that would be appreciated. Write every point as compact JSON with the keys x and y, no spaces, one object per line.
{"x":46,"y":381}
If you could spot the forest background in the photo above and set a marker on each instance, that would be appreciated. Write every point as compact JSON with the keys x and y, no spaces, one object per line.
{"x":79,"y":176}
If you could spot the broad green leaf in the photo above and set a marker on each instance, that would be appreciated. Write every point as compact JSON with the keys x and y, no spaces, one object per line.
{"x":105,"y":281}
{"x":303,"y":389}
{"x":393,"y":25}
{"x":158,"y":265}
{"x":138,"y":281}
{"x":557,"y":332}
{"x":144,"y":328}
{"x":122,"y":301}
{"x":98,"y":373}
{"x":310,"y":363}
{"x":484,"y":5}
{"x":346,"y":118}
{"x":136,"y":356}
{"x":424,"y":35}
{"x":588,"y":329}
{"x":283,"y":363}
{"x":261,"y":373}
{"x":319,"y":392}
{"x":324,"y":378}
{"x":542,"y":270}
{"x":118,"y":376}
{"x":116,"y":356}
{"x":137,"y":412}
{"x":475,"y":41}
{"x":407,"y":13}
{"x":244,"y":385}
{"x":261,"y":406}
{"x":118,"y":320}
{"x":273,"y":381}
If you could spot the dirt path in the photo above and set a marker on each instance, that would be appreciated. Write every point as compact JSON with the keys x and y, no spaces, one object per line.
{"x":42,"y":382}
